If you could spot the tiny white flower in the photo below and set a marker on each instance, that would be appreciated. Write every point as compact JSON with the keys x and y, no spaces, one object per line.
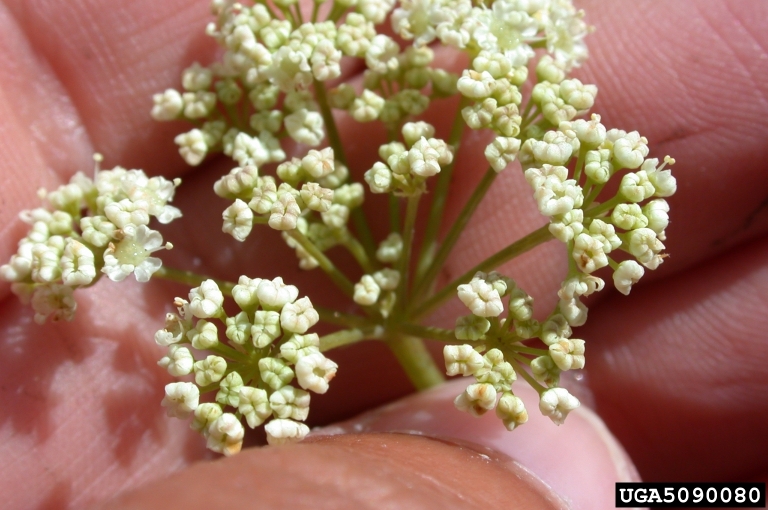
{"x":238,"y":220}
{"x":379,"y":178}
{"x":206,"y":301}
{"x":390,"y":249}
{"x":481,"y":298}
{"x":239,"y":328}
{"x":275,"y":372}
{"x":290,"y":403}
{"x":657,"y":212}
{"x":299,"y":316}
{"x":630,"y":150}
{"x":366,"y":291}
{"x":476,"y":85}
{"x":209,"y":370}
{"x":204,"y":415}
{"x":54,"y":301}
{"x":477,"y":399}
{"x":265,"y":328}
{"x":645,"y":246}
{"x":254,"y":405}
{"x":305,"y":127}
{"x":381,"y":55}
{"x":204,"y":335}
{"x":132,"y":254}
{"x":366,"y":107}
{"x":192,"y":146}
{"x":544,"y":370}
{"x":199,"y":104}
{"x":225,"y":435}
{"x":229,"y":390}
{"x":77,"y":265}
{"x":387,"y":279}
{"x":178,"y":361}
{"x":556,"y":403}
{"x":511,"y":411}
{"x":167,"y":105}
{"x":127,"y":212}
{"x":636,"y":187}
{"x":282,"y":431}
{"x":245,"y":292}
{"x":568,"y":353}
{"x":275,"y":294}
{"x":315,"y":371}
{"x":471,"y":327}
{"x":627,"y":274}
{"x":284,"y":213}
{"x":196,"y":77}
{"x":628,"y":217}
{"x":181,"y":399}
{"x":462,"y":359}
{"x":588,"y":253}
{"x":574,"y":311}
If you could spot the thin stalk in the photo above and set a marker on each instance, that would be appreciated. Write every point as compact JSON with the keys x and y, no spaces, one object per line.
{"x":443,"y":335}
{"x":528,"y":350}
{"x":192,"y":279}
{"x":324,"y":262}
{"x":358,"y":217}
{"x":525,"y":375}
{"x":519,"y":247}
{"x":604,"y":207}
{"x":440,"y":195}
{"x":346,"y":337}
{"x":416,"y":361}
{"x":409,"y":228}
{"x":394,"y":213}
{"x":358,"y":251}
{"x":343,"y":319}
{"x":455,"y":232}
{"x":229,"y":352}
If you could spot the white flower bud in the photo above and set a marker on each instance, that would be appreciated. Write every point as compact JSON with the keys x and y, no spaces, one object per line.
{"x":390,"y":249}
{"x":254,"y":405}
{"x":366,"y":107}
{"x":266,"y":328}
{"x":181,"y":399}
{"x":496,"y":371}
{"x":636,"y":187}
{"x":229,"y":390}
{"x":315,"y":371}
{"x":290,"y":403}
{"x":305,"y":127}
{"x":196,"y":77}
{"x":178,"y":361}
{"x":204,"y":415}
{"x":366,"y":291}
{"x":77,"y":264}
{"x":462,"y":359}
{"x":238,"y":220}
{"x":192,"y":146}
{"x":244,"y":292}
{"x":284,"y":213}
{"x":471,"y":327}
{"x":627,"y":274}
{"x":630,"y":149}
{"x":481,"y":298}
{"x":477,"y":399}
{"x":168,"y":105}
{"x":285,"y":431}
{"x":275,"y":294}
{"x":545,"y":371}
{"x":209,"y":370}
{"x":657,"y":212}
{"x":556,"y":403}
{"x":645,"y":246}
{"x":588,"y":253}
{"x":476,"y":85}
{"x":225,"y":435}
{"x":206,"y":301}
{"x":204,"y":335}
{"x":568,"y":354}
{"x":598,"y":166}
{"x":299,"y":316}
{"x":379,"y":178}
{"x":275,"y":372}
{"x":511,"y":411}
{"x":198,"y":105}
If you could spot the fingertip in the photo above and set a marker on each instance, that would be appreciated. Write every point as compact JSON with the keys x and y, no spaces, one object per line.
{"x":580,"y":462}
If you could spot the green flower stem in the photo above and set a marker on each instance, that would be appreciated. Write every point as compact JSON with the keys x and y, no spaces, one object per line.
{"x":358,"y":251}
{"x":358,"y":217}
{"x":227,"y":351}
{"x":440,"y":194}
{"x":416,"y":361}
{"x":443,"y":335}
{"x":347,"y":337}
{"x":342,"y":319}
{"x":409,"y":228}
{"x":325,"y":263}
{"x":529,"y":350}
{"x":455,"y":232}
{"x":528,"y":378}
{"x":604,"y":207}
{"x":192,"y":279}
{"x":594,"y":191}
{"x":519,"y":247}
{"x":394,"y":213}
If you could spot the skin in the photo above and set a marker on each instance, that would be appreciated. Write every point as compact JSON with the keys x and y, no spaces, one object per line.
{"x":676,"y":369}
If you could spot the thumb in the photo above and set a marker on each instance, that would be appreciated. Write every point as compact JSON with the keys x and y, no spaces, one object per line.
{"x":419,"y":452}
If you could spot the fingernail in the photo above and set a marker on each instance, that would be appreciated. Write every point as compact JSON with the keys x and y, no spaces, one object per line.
{"x":580,"y":461}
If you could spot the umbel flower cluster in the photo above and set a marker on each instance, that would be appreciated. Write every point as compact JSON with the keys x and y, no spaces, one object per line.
{"x":272,"y":103}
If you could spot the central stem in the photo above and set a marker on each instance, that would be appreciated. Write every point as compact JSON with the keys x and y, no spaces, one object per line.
{"x":416,"y":361}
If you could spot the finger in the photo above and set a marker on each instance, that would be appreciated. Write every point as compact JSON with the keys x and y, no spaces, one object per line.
{"x":81,"y":402}
{"x":679,"y":374}
{"x":358,"y":466}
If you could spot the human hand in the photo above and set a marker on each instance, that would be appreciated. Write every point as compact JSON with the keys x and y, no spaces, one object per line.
{"x":81,"y":414}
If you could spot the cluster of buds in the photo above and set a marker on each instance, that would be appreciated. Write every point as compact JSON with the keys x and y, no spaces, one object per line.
{"x":408,"y":166}
{"x":633,"y":221}
{"x":267,"y":346}
{"x":91,"y":227}
{"x":494,"y":371}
